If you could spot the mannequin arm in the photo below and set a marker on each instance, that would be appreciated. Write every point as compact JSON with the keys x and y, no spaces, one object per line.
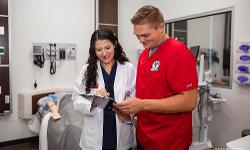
{"x":54,"y":110}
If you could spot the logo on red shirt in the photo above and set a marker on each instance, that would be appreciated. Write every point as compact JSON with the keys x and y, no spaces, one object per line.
{"x":189,"y":85}
{"x":155,"y":66}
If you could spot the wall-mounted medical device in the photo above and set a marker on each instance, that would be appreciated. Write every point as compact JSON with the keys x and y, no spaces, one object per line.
{"x":38,"y":56}
{"x":60,"y":51}
{"x":53,"y":52}
{"x":37,"y":50}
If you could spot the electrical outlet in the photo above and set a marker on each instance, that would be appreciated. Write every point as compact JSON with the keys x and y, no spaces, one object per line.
{"x":7,"y":99}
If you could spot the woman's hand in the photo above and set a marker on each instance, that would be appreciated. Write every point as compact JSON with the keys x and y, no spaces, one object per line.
{"x":102,"y":92}
{"x":93,"y":105}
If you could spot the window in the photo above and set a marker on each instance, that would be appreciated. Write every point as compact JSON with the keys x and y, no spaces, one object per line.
{"x":212,"y":33}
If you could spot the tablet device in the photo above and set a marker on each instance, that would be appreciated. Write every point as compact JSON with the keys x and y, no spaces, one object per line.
{"x":99,"y":101}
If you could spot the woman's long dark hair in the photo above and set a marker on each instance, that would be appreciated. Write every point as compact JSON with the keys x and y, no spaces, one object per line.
{"x":91,"y":74}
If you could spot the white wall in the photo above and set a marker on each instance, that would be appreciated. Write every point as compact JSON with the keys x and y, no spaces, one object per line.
{"x":44,"y":21}
{"x":234,"y":115}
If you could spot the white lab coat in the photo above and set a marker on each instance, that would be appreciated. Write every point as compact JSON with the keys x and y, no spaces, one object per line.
{"x":92,"y":132}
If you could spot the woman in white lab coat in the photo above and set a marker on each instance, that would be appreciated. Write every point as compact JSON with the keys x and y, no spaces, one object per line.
{"x":107,"y":69}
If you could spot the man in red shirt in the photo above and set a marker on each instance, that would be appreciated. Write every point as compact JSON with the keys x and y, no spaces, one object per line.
{"x":166,"y":86}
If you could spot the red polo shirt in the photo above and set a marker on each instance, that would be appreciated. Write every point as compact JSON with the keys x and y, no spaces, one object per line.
{"x":171,"y":69}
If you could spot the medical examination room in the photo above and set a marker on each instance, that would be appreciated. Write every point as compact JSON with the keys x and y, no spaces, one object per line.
{"x":124,"y":74}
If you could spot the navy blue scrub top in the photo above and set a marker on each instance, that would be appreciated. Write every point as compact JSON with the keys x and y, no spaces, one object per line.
{"x":109,"y":122}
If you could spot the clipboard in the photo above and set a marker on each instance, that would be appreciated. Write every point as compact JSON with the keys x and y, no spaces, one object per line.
{"x":99,"y":101}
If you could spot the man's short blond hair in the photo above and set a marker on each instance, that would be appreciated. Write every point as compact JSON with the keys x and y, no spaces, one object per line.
{"x":148,"y":15}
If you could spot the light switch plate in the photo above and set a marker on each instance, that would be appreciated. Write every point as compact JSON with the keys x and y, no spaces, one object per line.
{"x":1,"y":30}
{"x":7,"y":99}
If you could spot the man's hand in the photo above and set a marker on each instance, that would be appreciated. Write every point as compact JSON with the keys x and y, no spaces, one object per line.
{"x":122,"y":116}
{"x":129,"y":106}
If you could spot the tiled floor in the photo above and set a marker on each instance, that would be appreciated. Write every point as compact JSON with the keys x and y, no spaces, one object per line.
{"x":25,"y":146}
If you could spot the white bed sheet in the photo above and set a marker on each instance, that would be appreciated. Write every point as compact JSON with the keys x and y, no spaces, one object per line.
{"x":43,"y":140}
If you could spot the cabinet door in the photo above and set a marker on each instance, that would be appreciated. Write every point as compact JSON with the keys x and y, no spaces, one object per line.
{"x":3,"y":7}
{"x":4,"y":59}
{"x":4,"y":41}
{"x":108,"y":11}
{"x":5,"y":89}
{"x":108,"y":15}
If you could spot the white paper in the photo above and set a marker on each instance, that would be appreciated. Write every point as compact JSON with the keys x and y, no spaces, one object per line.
{"x":1,"y":30}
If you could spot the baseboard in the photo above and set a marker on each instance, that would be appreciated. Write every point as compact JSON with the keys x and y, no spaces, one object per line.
{"x":19,"y":141}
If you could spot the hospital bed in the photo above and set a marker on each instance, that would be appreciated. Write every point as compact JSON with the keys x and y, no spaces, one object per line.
{"x":62,"y":134}
{"x":239,"y":144}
